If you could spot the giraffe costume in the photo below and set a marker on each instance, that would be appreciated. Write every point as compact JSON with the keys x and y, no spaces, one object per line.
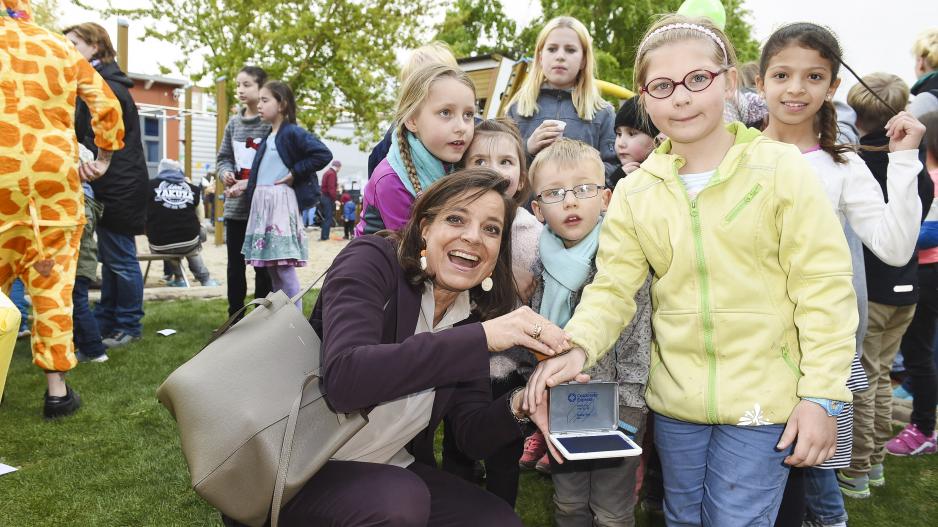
{"x":41,"y":199}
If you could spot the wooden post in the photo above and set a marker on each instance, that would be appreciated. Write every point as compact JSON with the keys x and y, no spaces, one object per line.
{"x":221,"y":120}
{"x":188,"y":131}
{"x":122,"y":43}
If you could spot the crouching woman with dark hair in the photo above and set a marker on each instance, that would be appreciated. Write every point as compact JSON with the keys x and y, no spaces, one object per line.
{"x":407,"y":321}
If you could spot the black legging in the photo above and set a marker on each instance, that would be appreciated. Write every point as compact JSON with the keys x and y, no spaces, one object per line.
{"x":237,"y":284}
{"x":918,"y":351}
{"x":791,"y":511}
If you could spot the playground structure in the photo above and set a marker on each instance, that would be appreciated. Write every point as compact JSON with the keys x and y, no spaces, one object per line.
{"x":497,"y":78}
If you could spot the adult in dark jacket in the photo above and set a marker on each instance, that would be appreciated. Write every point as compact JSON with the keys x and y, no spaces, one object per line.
{"x":400,"y":339}
{"x":122,"y":191}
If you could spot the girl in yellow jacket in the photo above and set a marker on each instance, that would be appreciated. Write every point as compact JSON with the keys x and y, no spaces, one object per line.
{"x":754,"y":309}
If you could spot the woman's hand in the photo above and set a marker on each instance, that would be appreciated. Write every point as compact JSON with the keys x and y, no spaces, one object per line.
{"x":550,"y":373}
{"x":285,"y":181}
{"x":905,"y":132}
{"x":543,"y":136}
{"x":540,"y":417}
{"x":228,"y":178}
{"x":524,"y":327}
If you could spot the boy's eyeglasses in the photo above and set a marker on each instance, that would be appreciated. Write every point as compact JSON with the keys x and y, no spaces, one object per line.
{"x":556,"y":195}
{"x":697,"y":80}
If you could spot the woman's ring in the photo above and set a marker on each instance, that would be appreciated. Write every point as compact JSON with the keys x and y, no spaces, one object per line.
{"x":537,"y":332}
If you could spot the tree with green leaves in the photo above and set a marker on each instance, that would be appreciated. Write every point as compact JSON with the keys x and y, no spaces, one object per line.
{"x":337,"y":55}
{"x":616,"y":27}
{"x":474,"y":27}
{"x":46,"y":13}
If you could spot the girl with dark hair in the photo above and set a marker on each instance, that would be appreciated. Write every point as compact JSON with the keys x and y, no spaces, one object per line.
{"x":282,"y":183}
{"x":236,"y":153}
{"x":798,"y":77}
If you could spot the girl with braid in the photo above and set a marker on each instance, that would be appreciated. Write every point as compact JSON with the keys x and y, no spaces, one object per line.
{"x":798,"y":77}
{"x":433,"y":126}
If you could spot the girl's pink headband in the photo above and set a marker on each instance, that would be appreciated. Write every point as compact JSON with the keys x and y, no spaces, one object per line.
{"x":692,"y":27}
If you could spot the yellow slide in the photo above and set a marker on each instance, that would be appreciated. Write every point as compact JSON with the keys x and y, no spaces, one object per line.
{"x":608,"y":88}
{"x":9,"y":326}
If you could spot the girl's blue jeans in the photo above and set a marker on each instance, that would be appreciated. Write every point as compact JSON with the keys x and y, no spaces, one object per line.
{"x":720,"y":475}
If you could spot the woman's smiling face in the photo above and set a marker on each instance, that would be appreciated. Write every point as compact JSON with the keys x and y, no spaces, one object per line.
{"x":463,"y":241}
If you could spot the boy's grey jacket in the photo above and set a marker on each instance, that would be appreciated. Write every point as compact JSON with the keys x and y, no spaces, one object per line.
{"x":627,"y":362}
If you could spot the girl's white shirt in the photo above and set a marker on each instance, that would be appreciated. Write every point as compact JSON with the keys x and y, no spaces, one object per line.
{"x":890,"y":230}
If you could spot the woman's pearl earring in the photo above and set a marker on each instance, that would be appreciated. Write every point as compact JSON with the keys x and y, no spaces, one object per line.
{"x":423,"y":259}
{"x":487,"y":284}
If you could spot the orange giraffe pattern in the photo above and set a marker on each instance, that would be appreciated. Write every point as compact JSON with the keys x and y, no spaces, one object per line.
{"x":41,"y":199}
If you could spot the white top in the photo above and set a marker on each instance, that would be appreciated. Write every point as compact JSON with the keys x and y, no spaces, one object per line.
{"x":391,"y":425}
{"x":525,"y":236}
{"x":694,"y":183}
{"x":890,"y":230}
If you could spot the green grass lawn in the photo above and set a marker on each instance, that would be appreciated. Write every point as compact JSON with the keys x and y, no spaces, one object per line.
{"x":117,"y":461}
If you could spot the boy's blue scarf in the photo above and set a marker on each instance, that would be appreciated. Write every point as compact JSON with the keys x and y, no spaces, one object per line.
{"x":429,"y":168}
{"x":565,"y":272}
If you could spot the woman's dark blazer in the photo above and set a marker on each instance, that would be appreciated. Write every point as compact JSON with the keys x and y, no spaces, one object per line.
{"x":370,"y":354}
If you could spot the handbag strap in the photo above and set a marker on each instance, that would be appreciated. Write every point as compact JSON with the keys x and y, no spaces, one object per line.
{"x":309,"y":288}
{"x":286,"y":451}
{"x":233,"y":319}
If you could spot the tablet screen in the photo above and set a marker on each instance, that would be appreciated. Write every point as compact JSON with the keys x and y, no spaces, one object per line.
{"x":597,"y":443}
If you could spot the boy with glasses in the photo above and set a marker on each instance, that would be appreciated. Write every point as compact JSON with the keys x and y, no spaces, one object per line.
{"x":567,"y":178}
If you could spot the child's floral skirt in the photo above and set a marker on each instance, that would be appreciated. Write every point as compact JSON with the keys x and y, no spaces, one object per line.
{"x":275,"y":229}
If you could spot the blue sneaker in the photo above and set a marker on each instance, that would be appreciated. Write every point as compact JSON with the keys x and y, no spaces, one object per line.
{"x":211,"y":282}
{"x":176,"y":283}
{"x":900,"y":393}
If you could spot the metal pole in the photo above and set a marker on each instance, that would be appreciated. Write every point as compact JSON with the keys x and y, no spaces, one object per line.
{"x":122,"y":43}
{"x":188,"y":131}
{"x":221,"y":120}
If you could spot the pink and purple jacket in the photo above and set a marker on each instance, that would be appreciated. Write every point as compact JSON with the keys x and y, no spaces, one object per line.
{"x":386,"y":203}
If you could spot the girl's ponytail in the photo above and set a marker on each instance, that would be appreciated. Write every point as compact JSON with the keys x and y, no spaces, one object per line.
{"x":408,"y":160}
{"x":826,"y":123}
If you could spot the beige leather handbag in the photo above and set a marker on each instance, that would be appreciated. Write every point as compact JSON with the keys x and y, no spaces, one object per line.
{"x":253,"y":421}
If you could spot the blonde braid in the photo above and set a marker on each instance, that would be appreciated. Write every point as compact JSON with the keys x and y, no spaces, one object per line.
{"x":408,"y":161}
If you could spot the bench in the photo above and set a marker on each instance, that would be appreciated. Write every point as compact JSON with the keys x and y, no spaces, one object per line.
{"x":177,"y":258}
